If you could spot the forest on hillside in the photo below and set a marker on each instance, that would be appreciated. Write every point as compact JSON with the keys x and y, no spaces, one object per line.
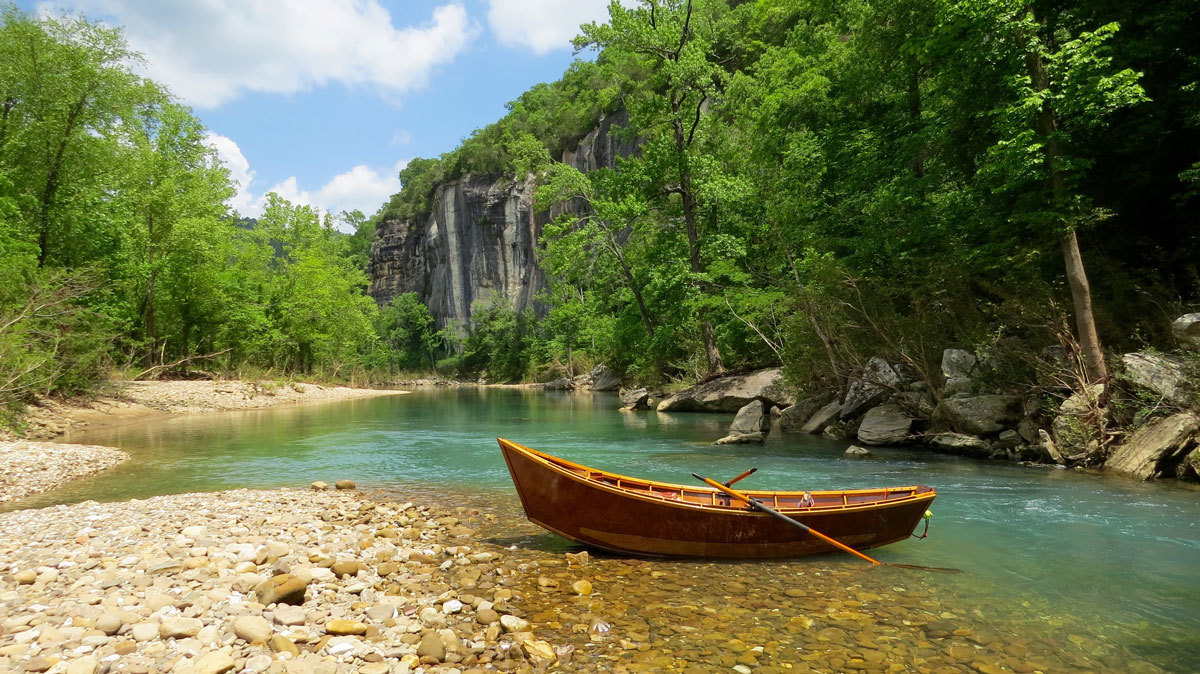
{"x":818,"y":183}
{"x":815,"y":183}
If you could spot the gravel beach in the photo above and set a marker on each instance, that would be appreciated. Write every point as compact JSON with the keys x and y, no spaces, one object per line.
{"x":284,"y":581}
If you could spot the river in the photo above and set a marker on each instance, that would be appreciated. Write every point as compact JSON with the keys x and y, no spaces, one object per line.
{"x":1066,"y":570}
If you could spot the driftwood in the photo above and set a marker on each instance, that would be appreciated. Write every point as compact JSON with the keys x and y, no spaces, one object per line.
{"x":181,"y":361}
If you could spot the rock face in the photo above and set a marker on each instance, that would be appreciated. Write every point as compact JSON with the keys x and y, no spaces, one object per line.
{"x":1157,"y":448}
{"x":730,"y":394}
{"x":869,"y":389}
{"x":478,"y":241}
{"x":1162,"y":375}
{"x":637,"y":399}
{"x":885,"y":425}
{"x":1186,"y":329}
{"x":749,"y":426}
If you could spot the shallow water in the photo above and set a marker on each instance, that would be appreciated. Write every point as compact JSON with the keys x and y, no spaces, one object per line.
{"x":1072,"y":571}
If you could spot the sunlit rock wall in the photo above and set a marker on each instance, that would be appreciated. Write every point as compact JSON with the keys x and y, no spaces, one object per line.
{"x":478,"y":243}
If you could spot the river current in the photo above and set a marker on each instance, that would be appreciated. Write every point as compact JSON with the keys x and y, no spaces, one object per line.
{"x":1062,"y":570}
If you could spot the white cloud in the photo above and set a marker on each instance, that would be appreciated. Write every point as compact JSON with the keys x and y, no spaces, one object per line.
{"x":361,"y":188}
{"x":209,"y":52}
{"x":542,"y":25}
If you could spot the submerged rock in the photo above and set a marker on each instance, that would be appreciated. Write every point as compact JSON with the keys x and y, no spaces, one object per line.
{"x":856,"y":452}
{"x":958,"y":443}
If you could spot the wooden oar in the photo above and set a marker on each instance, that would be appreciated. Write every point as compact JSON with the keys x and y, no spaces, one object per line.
{"x":739,"y":478}
{"x":796,"y":523}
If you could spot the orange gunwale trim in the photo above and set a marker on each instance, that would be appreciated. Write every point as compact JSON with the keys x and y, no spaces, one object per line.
{"x":649,"y":490}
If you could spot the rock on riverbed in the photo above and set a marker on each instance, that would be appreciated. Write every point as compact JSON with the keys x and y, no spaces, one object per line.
{"x":174,"y":583}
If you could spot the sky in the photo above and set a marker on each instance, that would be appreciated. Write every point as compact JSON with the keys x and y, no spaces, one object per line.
{"x":324,"y":101}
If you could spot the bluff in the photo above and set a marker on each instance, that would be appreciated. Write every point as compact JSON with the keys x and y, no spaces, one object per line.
{"x":478,"y":243}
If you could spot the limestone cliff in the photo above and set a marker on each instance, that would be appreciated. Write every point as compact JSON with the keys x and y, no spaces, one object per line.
{"x":478,"y":242}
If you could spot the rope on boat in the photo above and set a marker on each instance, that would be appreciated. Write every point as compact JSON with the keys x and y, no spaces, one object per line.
{"x":924,"y":534}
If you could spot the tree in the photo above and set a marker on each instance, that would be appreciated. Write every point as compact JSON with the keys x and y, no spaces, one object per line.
{"x":671,"y":48}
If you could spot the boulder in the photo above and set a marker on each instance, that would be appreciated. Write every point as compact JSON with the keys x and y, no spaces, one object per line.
{"x":604,"y":379}
{"x":1162,"y":375}
{"x":637,"y":399}
{"x":1075,"y":430}
{"x":795,"y":416}
{"x":1049,"y":449}
{"x":856,"y":452}
{"x":821,"y":419}
{"x":560,"y":384}
{"x":885,"y":425}
{"x":730,"y":394}
{"x":1157,"y":448}
{"x":982,"y":415}
{"x":958,"y":443}
{"x":749,"y":426}
{"x":958,"y":368}
{"x":756,"y":438}
{"x":1186,"y":329}
{"x":876,"y":381}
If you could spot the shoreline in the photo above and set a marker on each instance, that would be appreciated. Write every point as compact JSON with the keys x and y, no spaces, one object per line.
{"x":257,"y":581}
{"x":38,"y":463}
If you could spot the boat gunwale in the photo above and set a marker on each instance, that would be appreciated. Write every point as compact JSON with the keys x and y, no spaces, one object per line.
{"x":566,"y":468}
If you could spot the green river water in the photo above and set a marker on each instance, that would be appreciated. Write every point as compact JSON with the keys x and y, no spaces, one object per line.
{"x":1064,"y":570}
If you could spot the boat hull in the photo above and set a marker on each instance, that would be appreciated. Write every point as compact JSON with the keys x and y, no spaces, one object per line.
{"x":608,"y":518}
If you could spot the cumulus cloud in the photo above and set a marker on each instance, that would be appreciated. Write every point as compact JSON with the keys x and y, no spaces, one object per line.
{"x":211,"y":51}
{"x":542,"y":25}
{"x":362,"y":188}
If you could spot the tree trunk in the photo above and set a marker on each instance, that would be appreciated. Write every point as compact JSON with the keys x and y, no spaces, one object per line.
{"x":715,"y":366}
{"x":1081,"y":294}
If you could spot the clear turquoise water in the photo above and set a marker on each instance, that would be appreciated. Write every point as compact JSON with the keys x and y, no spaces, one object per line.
{"x":1110,"y":562}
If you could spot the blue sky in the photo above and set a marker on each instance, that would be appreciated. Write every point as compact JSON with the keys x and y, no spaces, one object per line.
{"x":323,"y":101}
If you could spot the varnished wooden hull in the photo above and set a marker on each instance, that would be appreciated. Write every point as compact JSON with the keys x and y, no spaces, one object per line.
{"x":642,"y":517}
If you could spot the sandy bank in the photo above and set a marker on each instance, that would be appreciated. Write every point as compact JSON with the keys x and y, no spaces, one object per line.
{"x":279,"y":581}
{"x":126,"y":402}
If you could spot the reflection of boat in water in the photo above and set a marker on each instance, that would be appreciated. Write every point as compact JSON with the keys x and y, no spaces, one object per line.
{"x":644,"y":517}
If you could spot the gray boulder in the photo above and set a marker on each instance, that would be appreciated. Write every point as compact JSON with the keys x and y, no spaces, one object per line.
{"x":730,"y":394}
{"x":958,"y":367}
{"x":958,"y":443}
{"x":749,"y":426}
{"x":885,"y":425}
{"x":794,"y":417}
{"x":1157,"y":448}
{"x":1162,"y":375}
{"x":637,"y":399}
{"x":981,"y":415}
{"x":604,"y":379}
{"x":822,"y":418}
{"x":856,"y":452}
{"x":560,"y":384}
{"x":868,"y":390}
{"x":1186,"y":329}
{"x":1049,"y":449}
{"x":958,"y":364}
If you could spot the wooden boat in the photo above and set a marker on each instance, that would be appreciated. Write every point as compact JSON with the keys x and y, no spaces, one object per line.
{"x":642,"y":517}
